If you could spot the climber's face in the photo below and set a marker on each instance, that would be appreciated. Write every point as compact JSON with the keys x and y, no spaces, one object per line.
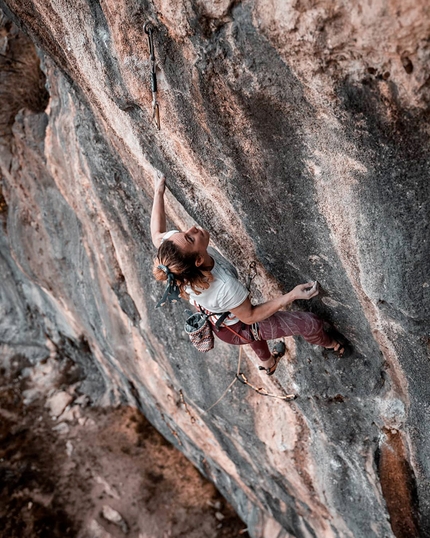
{"x":193,"y":241}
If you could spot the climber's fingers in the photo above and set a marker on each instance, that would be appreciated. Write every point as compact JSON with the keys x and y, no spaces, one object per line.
{"x":159,"y":181}
{"x":306,"y":291}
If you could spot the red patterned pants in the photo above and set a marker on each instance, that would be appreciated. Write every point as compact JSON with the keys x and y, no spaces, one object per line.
{"x":280,"y":324}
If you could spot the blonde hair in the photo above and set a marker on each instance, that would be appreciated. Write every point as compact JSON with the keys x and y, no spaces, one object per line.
{"x":183,"y":267}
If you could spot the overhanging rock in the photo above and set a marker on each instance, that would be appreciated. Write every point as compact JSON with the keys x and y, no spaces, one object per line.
{"x":298,"y":141}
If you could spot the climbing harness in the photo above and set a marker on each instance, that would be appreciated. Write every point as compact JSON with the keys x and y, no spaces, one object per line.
{"x":198,"y":326}
{"x":149,"y":30}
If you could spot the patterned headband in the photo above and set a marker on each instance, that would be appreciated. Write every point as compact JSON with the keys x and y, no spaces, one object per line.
{"x":171,"y":293}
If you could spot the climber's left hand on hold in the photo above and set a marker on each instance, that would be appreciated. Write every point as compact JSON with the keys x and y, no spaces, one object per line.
{"x":159,"y":182}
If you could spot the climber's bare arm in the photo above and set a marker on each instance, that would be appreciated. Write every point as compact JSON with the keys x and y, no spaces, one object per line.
{"x":158,"y":214}
{"x":248,"y":313}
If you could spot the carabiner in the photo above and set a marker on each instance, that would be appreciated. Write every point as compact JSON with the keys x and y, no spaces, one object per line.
{"x":156,"y":114}
{"x":149,"y":30}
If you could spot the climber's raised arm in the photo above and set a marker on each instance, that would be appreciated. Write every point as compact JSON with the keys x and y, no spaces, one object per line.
{"x":158,"y":214}
{"x":249,"y":313}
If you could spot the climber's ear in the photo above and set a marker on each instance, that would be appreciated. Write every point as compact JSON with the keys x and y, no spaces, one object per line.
{"x":199,"y":260}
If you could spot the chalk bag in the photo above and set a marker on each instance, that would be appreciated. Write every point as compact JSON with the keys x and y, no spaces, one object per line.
{"x":199,"y":331}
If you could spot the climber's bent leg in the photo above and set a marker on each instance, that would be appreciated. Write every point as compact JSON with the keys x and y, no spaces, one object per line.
{"x":305,"y":324}
{"x":261,"y":349}
{"x":244,"y":336}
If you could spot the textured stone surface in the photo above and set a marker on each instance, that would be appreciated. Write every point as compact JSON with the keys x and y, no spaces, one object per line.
{"x":107,"y":473}
{"x":297,"y":133}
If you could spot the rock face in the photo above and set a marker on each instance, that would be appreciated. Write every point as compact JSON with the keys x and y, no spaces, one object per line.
{"x":297,"y":134}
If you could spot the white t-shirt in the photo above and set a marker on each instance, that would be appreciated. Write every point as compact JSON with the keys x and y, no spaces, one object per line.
{"x":225,"y":292}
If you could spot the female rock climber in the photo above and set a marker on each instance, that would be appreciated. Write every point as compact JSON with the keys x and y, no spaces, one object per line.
{"x":207,"y":279}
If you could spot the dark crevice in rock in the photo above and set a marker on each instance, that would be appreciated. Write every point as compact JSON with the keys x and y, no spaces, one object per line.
{"x":102,"y":38}
{"x":39,"y":32}
{"x":3,"y":204}
{"x":80,"y":365}
{"x":135,"y":394}
{"x":126,"y":302}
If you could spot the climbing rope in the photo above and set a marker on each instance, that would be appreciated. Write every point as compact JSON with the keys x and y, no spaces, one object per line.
{"x":231,"y":384}
{"x":149,"y":30}
{"x":261,"y":390}
{"x":240,"y":376}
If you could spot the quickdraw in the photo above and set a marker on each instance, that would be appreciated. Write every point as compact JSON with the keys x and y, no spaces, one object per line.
{"x":181,"y":395}
{"x":239,"y":376}
{"x":149,"y":30}
{"x":243,"y":379}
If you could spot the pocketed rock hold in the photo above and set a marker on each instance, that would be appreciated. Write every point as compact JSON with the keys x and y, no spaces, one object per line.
{"x":107,"y":488}
{"x":97,"y":531}
{"x":114,"y":517}
{"x":58,"y":403}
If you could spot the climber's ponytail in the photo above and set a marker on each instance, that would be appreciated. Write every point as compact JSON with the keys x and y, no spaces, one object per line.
{"x":183,"y":266}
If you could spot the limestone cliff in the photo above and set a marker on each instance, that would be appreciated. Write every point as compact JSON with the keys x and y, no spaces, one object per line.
{"x":297,"y":134}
